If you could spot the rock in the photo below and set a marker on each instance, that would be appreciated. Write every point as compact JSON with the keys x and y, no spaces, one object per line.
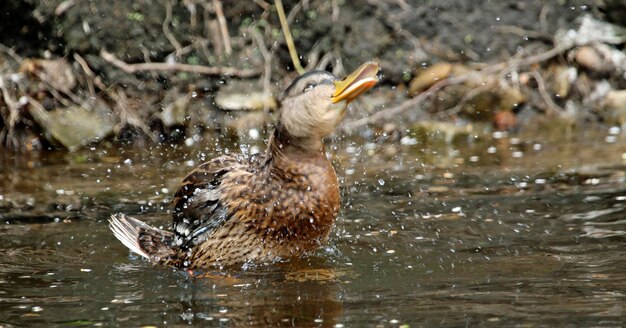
{"x":244,"y":95}
{"x":426,"y":78}
{"x":175,"y":114}
{"x":77,"y":125}
{"x":588,"y":58}
{"x":615,"y":107}
{"x":601,"y":58}
{"x":510,"y":97}
{"x":56,"y":72}
{"x":561,"y":78}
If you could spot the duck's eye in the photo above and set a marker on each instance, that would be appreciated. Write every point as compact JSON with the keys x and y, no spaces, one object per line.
{"x":308,"y":87}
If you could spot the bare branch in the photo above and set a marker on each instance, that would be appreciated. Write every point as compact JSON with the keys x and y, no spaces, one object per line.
{"x":223,"y":26}
{"x":523,"y":32}
{"x":13,"y":117}
{"x":290,"y":44}
{"x":501,"y":68}
{"x":176,"y":67}
{"x":267,"y":74}
{"x":11,"y":53}
{"x":166,"y":29}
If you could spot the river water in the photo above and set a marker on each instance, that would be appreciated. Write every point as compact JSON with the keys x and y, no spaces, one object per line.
{"x":493,"y":231}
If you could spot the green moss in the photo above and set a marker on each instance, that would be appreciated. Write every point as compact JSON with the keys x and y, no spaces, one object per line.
{"x":135,"y":16}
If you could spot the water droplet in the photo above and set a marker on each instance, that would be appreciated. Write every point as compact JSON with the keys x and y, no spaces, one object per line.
{"x":381,"y":182}
{"x":254,"y":134}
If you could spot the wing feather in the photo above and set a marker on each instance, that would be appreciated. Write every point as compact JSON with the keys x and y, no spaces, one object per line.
{"x":198,"y":205}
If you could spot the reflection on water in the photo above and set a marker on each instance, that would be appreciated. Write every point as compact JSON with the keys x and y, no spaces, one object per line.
{"x":500,"y":232}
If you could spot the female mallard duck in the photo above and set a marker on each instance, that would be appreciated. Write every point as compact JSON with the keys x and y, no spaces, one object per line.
{"x":234,"y":209}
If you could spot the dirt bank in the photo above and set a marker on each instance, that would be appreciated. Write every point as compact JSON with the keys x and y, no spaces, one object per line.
{"x":68,"y":78}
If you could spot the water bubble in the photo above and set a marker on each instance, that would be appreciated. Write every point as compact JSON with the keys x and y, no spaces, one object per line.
{"x":408,"y":141}
{"x":499,"y":134}
{"x":254,"y":134}
{"x":381,"y":182}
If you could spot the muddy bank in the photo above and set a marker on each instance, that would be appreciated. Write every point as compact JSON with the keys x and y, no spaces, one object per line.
{"x":75,"y":74}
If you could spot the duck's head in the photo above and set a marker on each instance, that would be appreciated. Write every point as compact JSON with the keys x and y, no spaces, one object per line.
{"x":315,"y":103}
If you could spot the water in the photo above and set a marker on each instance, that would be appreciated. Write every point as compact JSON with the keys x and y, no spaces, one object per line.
{"x":497,"y":232}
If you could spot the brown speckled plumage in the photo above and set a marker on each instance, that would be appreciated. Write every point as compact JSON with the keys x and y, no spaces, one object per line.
{"x":283,"y":203}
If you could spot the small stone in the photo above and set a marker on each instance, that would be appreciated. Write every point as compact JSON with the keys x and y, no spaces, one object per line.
{"x":175,"y":113}
{"x":429,"y":76}
{"x":615,"y":107}
{"x":76,"y":126}
{"x":244,"y":95}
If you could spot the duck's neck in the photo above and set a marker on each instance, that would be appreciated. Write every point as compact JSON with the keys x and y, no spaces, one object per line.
{"x":285,"y":147}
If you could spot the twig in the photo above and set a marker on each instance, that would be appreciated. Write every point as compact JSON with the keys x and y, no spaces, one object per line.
{"x":334,"y":17}
{"x":267,"y":58}
{"x":166,"y":29}
{"x":522,"y":32}
{"x":11,"y":53}
{"x":543,"y":17}
{"x":387,"y":114}
{"x":502,"y":68}
{"x":128,"y":116}
{"x":14,"y":115}
{"x":471,"y":94}
{"x":176,"y":67}
{"x":63,"y":7}
{"x":295,"y":10}
{"x":223,"y":26}
{"x":262,"y":4}
{"x":90,"y":75}
{"x":292,"y":47}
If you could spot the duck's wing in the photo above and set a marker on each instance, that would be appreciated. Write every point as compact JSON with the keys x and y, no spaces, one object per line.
{"x":198,"y":207}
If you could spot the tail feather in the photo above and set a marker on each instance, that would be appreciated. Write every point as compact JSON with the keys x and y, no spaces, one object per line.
{"x":149,"y":242}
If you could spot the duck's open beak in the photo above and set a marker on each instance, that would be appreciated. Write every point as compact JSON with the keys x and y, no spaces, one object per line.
{"x":356,"y":83}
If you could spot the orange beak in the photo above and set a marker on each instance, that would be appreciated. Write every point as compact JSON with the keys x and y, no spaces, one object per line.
{"x":356,"y":83}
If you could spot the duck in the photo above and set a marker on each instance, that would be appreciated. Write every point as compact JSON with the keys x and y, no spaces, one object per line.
{"x":280,"y":204}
